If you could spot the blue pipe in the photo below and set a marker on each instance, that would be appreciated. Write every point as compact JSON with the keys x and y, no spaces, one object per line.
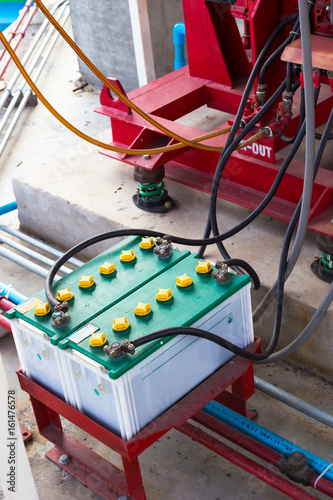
{"x":179,"y":43}
{"x":8,"y":208}
{"x":264,"y":436}
{"x":11,"y":294}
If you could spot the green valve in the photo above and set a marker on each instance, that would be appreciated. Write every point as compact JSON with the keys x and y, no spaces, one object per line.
{"x":96,"y":392}
{"x":39,"y":356}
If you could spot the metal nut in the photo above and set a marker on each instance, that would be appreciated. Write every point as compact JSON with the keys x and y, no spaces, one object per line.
{"x":64,"y":459}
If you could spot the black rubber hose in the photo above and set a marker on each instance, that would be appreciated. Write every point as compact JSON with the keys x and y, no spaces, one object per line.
{"x":295,"y":217}
{"x":253,"y":76}
{"x":108,"y":235}
{"x":196,"y":332}
{"x":231,"y":148}
{"x":284,"y":352}
{"x":247,"y":268}
{"x":276,"y":53}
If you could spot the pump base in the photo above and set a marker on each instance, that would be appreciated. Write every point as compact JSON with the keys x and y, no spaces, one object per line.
{"x":321,"y":273}
{"x":161,"y":206}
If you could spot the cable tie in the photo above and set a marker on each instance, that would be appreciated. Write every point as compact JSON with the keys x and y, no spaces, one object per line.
{"x":322,"y":474}
{"x":10,"y":288}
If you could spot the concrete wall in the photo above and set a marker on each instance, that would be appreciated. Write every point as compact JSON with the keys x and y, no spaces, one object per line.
{"x":102,"y":29}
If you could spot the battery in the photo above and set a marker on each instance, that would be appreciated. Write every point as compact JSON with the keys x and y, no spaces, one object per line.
{"x":125,"y":394}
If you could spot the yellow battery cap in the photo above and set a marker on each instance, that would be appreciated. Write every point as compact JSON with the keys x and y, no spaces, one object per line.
{"x":107,"y":268}
{"x":97,"y":339}
{"x":147,"y":243}
{"x":184,"y":281}
{"x":86,"y":281}
{"x":42,"y":309}
{"x":120,"y":324}
{"x":142,"y":309}
{"x":64,"y":295}
{"x":164,"y":294}
{"x":127,"y":255}
{"x":203,"y":267}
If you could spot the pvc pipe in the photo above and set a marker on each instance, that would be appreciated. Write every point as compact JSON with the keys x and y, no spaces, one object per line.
{"x":27,"y":264}
{"x":5,"y":323}
{"x":6,"y":304}
{"x":12,"y":29}
{"x":178,"y":33}
{"x":257,"y":449}
{"x":39,"y":244}
{"x":18,"y":38}
{"x":7,"y":91}
{"x":9,"y":207}
{"x":246,"y":463}
{"x":12,"y":294}
{"x":294,"y":402}
{"x":32,"y":253}
{"x":265,"y":436}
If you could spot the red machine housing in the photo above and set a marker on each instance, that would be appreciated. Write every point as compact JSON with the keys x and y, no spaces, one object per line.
{"x":219,"y":63}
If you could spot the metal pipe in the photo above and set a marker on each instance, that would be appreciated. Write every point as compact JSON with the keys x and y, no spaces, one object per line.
{"x":39,"y":244}
{"x":18,"y":38}
{"x":265,"y":436}
{"x":7,"y":91}
{"x":9,"y":207}
{"x":11,"y":294}
{"x":294,"y":402}
{"x":247,"y":464}
{"x":27,"y":264}
{"x":26,"y":96}
{"x":257,"y":449}
{"x":32,"y":253}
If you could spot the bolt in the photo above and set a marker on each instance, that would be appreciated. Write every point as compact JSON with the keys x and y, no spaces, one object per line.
{"x":332,"y":222}
{"x":168,"y":204}
{"x":146,"y":157}
{"x":64,"y":459}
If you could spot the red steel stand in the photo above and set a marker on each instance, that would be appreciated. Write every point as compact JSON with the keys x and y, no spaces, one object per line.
{"x":216,"y":76}
{"x":109,"y":481}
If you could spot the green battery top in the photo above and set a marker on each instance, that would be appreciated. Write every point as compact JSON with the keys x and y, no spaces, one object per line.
{"x":94,"y":290}
{"x":179,"y":296}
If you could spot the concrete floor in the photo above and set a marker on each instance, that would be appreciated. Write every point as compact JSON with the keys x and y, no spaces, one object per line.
{"x":174,"y":467}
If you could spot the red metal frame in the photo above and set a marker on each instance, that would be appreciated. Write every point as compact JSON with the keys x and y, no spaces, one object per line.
{"x":109,"y":481}
{"x":216,"y":76}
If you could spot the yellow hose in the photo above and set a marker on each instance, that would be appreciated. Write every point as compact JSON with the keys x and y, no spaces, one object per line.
{"x":105,"y":145}
{"x":124,"y":98}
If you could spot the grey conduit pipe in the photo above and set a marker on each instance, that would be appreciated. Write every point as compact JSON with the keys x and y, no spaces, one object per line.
{"x":23,"y":262}
{"x":32,"y":253}
{"x":309,"y":150}
{"x":39,"y":244}
{"x":297,"y":403}
{"x":27,"y":94}
{"x":7,"y":91}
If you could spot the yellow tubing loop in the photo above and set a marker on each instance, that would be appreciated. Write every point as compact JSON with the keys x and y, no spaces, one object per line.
{"x":183,"y":142}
